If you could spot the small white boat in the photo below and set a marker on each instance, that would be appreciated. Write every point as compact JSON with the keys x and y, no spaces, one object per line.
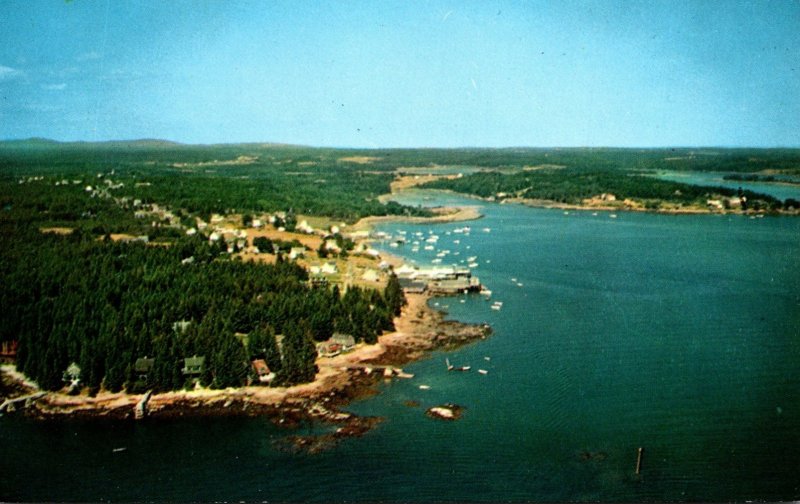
{"x":487,"y":230}
{"x":486,"y":292}
{"x":496,"y":307}
{"x":613,"y":216}
{"x":424,"y":387}
{"x":487,"y":358}
{"x":451,"y":367}
{"x":483,"y":371}
{"x":473,"y":265}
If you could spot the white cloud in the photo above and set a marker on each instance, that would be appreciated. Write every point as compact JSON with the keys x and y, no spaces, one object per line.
{"x":54,"y":87}
{"x":8,"y":73}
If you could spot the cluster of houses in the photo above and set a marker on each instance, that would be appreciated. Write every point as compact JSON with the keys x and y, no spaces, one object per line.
{"x":728,"y":203}
{"x":194,"y":366}
{"x":103,"y":189}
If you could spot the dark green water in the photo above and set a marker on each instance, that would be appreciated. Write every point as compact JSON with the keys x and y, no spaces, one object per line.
{"x":679,"y":334}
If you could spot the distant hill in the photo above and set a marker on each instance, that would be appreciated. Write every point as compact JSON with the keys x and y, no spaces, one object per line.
{"x":44,"y":143}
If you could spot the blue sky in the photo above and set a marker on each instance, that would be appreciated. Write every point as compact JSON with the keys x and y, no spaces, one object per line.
{"x":404,"y":74}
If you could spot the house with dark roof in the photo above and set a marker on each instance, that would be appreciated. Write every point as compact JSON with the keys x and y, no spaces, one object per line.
{"x":142,"y":367}
{"x":193,"y":366}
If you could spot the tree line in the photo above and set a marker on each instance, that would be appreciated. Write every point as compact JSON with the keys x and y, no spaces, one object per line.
{"x":102,"y":305}
{"x":573,"y":186}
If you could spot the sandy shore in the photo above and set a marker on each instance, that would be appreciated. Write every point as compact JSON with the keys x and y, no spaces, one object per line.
{"x":444,"y":214}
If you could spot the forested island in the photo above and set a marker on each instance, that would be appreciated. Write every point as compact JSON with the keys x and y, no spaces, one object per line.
{"x":146,"y":265}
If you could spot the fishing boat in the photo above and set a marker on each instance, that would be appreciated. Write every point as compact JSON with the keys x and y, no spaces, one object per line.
{"x":451,"y":367}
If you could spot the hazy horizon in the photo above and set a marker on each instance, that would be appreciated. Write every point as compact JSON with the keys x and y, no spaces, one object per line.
{"x":267,"y":143}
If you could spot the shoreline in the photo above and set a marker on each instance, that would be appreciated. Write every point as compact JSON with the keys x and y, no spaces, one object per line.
{"x":418,"y":330}
{"x":445,"y":214}
{"x":675,"y":210}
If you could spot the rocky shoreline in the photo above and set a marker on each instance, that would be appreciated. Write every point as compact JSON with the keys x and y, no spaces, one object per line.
{"x":341,"y":379}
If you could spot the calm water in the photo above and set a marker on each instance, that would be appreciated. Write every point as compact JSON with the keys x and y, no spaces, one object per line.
{"x":679,"y":334}
{"x":782,"y":191}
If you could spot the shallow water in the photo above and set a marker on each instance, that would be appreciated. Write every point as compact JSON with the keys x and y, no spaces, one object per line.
{"x":679,"y":334}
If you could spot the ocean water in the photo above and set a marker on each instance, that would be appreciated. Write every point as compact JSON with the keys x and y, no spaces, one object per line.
{"x":677,"y":334}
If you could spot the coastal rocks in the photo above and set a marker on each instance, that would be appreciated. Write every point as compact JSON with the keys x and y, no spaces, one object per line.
{"x":445,"y":412}
{"x":313,"y":444}
{"x":10,"y":405}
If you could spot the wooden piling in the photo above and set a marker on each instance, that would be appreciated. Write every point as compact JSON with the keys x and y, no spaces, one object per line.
{"x":639,"y":460}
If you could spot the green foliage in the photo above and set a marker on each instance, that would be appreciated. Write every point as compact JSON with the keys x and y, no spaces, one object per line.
{"x":105,"y":304}
{"x":393,"y":293}
{"x":572,"y":186}
{"x":230,"y":363}
{"x":263,"y":244}
{"x":299,"y":354}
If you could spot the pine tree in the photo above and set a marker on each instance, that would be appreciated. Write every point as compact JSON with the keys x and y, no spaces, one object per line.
{"x":299,"y":355}
{"x":394,"y":296}
{"x":230,"y":363}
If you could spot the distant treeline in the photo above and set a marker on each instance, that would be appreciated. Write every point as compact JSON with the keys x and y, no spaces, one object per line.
{"x":573,"y":186}
{"x":103,"y":305}
{"x":205,"y":180}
